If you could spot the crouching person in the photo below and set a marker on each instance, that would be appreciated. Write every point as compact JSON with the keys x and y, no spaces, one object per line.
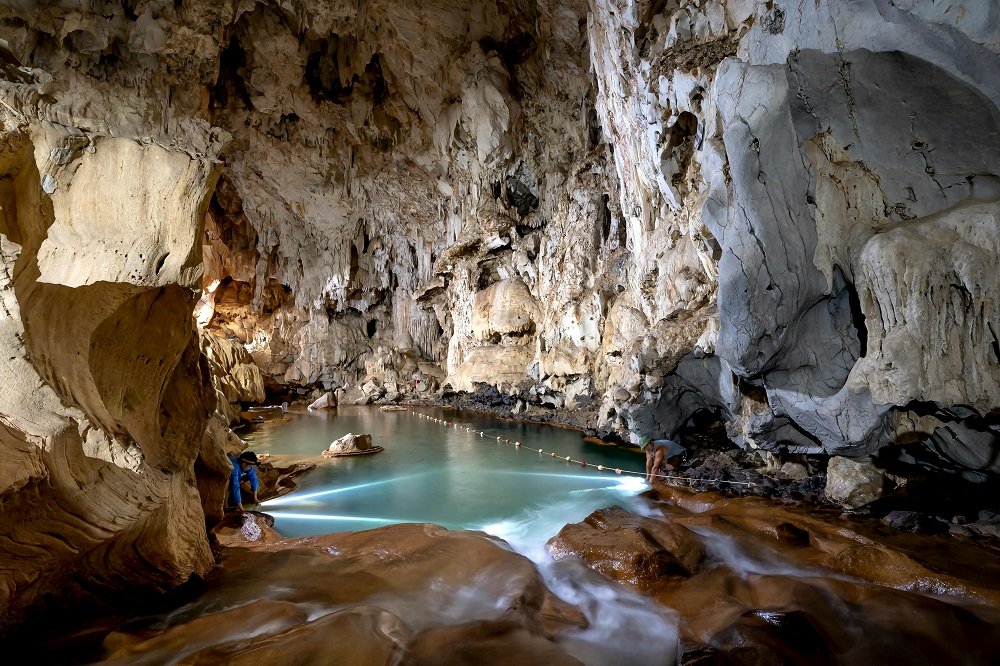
{"x":662,"y":456}
{"x":243,"y":482}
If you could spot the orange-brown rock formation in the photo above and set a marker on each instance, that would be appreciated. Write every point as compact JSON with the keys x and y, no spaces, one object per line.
{"x":766,"y":583}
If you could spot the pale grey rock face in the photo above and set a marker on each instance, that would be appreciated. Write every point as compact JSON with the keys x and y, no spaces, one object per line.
{"x":834,"y":176}
{"x":852,"y":483}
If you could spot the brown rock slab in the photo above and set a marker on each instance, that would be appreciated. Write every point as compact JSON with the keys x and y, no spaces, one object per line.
{"x":362,"y":635}
{"x":484,"y":642}
{"x":416,"y":594}
{"x":630,"y":548}
{"x":276,"y":481}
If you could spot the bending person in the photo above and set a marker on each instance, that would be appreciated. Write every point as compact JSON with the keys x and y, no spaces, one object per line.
{"x":243,"y":479}
{"x":662,"y":456}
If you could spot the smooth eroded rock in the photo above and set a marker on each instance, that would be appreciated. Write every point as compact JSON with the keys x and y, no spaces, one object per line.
{"x":630,"y":548}
{"x":416,"y":591}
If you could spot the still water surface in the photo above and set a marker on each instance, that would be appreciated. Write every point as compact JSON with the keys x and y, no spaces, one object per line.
{"x":438,"y":474}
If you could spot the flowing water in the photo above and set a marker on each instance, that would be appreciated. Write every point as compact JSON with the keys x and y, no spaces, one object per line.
{"x":437,"y":473}
{"x":853,"y":589}
{"x":765,"y":578}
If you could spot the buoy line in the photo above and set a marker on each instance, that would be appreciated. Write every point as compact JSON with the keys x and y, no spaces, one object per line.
{"x":555,"y":456}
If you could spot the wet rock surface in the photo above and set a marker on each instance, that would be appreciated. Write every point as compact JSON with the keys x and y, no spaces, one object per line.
{"x":629,"y":548}
{"x":249,"y":528}
{"x":277,"y":479}
{"x":415,"y":594}
{"x":776,"y":584}
{"x":751,"y":581}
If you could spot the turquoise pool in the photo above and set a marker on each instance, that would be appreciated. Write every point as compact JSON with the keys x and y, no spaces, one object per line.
{"x":430,"y":472}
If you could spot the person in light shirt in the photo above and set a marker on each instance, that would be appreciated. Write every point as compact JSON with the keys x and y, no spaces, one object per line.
{"x":662,"y":456}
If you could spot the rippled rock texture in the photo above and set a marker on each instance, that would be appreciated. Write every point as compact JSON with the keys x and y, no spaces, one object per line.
{"x":782,"y":214}
{"x":104,"y":391}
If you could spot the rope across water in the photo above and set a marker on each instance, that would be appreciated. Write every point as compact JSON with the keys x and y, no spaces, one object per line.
{"x":554,"y":456}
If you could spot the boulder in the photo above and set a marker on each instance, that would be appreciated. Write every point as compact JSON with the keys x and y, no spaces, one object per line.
{"x":326,"y":401}
{"x":852,"y":483}
{"x":351,"y":445}
{"x":371,"y":388}
{"x":912,"y":521}
{"x":793,"y":471}
{"x":988,"y":525}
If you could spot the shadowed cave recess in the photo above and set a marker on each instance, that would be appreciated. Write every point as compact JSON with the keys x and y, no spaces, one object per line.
{"x":768,"y":229}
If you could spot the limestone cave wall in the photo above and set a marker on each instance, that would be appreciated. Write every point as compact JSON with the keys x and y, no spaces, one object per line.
{"x":782,"y":214}
{"x":104,"y":393}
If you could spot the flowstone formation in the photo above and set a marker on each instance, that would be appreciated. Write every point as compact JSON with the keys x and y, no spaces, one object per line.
{"x":103,"y":402}
{"x":779,"y":214}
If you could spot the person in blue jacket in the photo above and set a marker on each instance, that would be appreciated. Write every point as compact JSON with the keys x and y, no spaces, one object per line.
{"x":243,"y":478}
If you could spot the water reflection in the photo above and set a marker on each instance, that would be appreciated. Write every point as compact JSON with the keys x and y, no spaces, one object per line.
{"x":430,"y":472}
